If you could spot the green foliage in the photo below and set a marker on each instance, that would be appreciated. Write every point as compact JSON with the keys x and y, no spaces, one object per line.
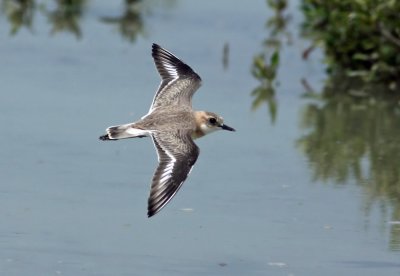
{"x":65,"y":16}
{"x":360,"y":37}
{"x":266,"y":64}
{"x":19,"y":13}
{"x":265,"y":73}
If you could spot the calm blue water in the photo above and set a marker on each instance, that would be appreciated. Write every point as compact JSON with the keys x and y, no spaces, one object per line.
{"x":73,"y":205}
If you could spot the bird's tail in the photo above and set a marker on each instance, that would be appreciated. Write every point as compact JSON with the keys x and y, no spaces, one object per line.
{"x":122,"y":132}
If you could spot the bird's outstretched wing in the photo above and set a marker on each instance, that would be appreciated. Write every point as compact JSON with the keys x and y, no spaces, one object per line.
{"x":177,"y":154}
{"x":178,"y":80}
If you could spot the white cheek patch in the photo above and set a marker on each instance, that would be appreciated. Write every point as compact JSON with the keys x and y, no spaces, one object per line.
{"x":206,"y":129}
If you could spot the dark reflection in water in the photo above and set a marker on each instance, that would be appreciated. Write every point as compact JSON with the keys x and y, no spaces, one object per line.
{"x":19,"y":14}
{"x":265,"y":64}
{"x":350,"y":136}
{"x":130,"y":23}
{"x":66,"y":16}
{"x":225,"y":56}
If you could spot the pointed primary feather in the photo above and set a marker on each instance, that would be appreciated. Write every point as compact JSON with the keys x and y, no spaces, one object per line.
{"x":178,"y":80}
{"x":177,"y":154}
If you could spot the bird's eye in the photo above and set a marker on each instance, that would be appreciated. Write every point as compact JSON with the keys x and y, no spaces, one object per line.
{"x":212,"y":121}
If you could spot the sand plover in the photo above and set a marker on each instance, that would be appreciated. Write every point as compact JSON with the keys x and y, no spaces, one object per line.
{"x":172,"y":124}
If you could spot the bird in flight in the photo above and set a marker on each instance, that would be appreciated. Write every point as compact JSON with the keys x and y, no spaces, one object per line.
{"x":172,"y":124}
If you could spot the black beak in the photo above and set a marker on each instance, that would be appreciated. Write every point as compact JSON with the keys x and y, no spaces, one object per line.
{"x":223,"y":126}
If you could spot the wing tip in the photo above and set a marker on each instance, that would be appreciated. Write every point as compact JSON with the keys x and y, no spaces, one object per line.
{"x":157,"y":50}
{"x":155,"y":47}
{"x":169,"y":65}
{"x":151,"y":213}
{"x":155,"y":207}
{"x":156,"y":204}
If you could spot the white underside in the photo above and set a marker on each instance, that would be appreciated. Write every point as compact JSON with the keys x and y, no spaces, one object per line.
{"x":137,"y":132}
{"x":125,"y":131}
